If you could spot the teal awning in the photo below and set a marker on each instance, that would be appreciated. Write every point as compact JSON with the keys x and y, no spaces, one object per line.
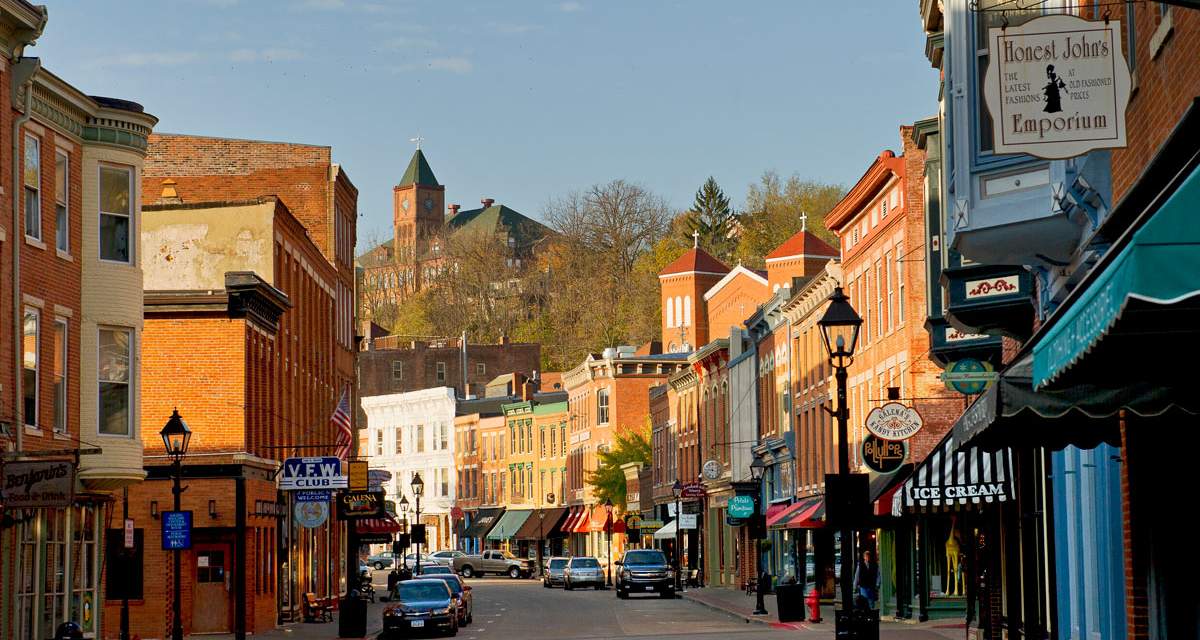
{"x":508,"y":525}
{"x":1159,"y":269}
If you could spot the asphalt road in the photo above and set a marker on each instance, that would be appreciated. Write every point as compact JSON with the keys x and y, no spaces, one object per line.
{"x":523,"y":609}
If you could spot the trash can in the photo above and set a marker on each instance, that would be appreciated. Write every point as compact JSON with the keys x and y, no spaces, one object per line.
{"x":352,"y":619}
{"x":789,"y":599}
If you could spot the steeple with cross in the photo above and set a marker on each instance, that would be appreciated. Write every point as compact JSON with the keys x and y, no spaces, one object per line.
{"x":417,"y":140}
{"x":803,"y":221}
{"x":695,"y":239}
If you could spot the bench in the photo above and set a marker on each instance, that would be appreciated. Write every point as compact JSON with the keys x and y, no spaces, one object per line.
{"x":316,"y":610}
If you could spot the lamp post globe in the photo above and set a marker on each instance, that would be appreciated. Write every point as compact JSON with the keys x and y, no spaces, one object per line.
{"x":176,"y":436}
{"x":403,"y":504}
{"x":839,"y":328}
{"x":418,"y":485}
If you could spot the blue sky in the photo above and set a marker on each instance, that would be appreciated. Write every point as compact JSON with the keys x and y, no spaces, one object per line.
{"x":518,"y":100}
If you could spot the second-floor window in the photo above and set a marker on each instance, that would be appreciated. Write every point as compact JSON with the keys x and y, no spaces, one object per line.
{"x":441,"y":372}
{"x":562,"y":439}
{"x":29,"y":381}
{"x":899,"y":284}
{"x":397,"y":371}
{"x":33,"y":188}
{"x":420,"y":435}
{"x":379,"y":442}
{"x":399,"y":441}
{"x":602,"y":406}
{"x":62,"y":219}
{"x":116,"y":213}
{"x":60,"y":375}
{"x":480,"y":369}
{"x":115,"y":377}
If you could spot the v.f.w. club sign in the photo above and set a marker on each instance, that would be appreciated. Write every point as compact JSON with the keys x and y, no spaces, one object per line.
{"x":1057,"y":86}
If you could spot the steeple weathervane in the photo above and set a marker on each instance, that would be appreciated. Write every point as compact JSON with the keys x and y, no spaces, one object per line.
{"x":417,"y":140}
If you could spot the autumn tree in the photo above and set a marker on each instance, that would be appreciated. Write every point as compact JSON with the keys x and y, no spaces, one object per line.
{"x":773,"y":213}
{"x":476,"y":287}
{"x":608,"y":480}
{"x":713,"y":221}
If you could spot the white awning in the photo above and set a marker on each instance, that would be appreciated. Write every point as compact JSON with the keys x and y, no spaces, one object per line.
{"x":667,"y":532}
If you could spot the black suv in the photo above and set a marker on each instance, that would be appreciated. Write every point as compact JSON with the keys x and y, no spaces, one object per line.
{"x":645,"y":571}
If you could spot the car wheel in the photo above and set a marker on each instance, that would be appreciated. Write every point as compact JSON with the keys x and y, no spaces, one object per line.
{"x":467,"y":571}
{"x":599,"y":587}
{"x":667,"y":594}
{"x":471,"y":617}
{"x":514,"y":573}
{"x":622,"y":595}
{"x":378,"y":566}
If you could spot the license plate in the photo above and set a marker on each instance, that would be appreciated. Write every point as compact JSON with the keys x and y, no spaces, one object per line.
{"x":649,"y":587}
{"x":416,"y":623}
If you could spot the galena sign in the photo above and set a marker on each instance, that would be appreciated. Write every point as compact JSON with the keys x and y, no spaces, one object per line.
{"x":38,"y":484}
{"x":1057,"y":87}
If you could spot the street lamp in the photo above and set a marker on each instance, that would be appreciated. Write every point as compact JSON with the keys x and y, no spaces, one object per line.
{"x":839,"y":330}
{"x":677,"y":490}
{"x":404,"y":517}
{"x":418,"y":488}
{"x":757,"y":469}
{"x":176,"y":437}
{"x":608,"y":529}
{"x":541,"y":542}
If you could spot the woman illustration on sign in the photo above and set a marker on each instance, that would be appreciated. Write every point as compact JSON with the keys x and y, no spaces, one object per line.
{"x":1052,"y":91}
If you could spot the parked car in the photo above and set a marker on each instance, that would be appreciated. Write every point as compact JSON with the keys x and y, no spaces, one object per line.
{"x":382,"y":560}
{"x":433,"y":569}
{"x":644,"y":571}
{"x":553,"y":574}
{"x":444,"y":558}
{"x":583,"y":571}
{"x":498,"y":562}
{"x":421,"y":605}
{"x":462,"y":594}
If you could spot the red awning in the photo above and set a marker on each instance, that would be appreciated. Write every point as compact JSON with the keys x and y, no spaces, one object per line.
{"x":568,"y":525}
{"x":780,"y":517}
{"x":774,"y":511}
{"x":584,"y":524}
{"x":809,"y":516}
{"x":386,"y":524}
{"x":599,"y":519}
{"x":883,"y":506}
{"x":618,"y":525}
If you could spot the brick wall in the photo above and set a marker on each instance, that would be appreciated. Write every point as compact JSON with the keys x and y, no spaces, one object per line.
{"x":418,"y":364}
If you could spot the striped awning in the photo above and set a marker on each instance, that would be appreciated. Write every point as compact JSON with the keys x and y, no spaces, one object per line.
{"x":384,"y":525}
{"x":951,"y":478}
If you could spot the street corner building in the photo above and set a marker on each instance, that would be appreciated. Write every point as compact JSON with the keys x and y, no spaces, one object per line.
{"x":72,"y":333}
{"x":248,"y":334}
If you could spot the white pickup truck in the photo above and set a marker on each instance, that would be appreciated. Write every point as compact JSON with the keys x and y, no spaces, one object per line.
{"x":499,"y":562}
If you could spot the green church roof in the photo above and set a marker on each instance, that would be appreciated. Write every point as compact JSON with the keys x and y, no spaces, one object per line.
{"x":525,"y":230}
{"x":418,"y":172}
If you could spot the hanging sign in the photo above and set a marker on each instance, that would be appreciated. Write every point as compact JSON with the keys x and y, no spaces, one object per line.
{"x":1057,"y":86}
{"x":687,"y":521}
{"x":176,"y":530}
{"x":650,"y":525}
{"x":693,"y":490}
{"x":312,"y":473}
{"x":741,"y":506}
{"x":376,"y":478}
{"x":311,"y":496}
{"x":357,"y":475}
{"x":969,"y":376}
{"x":38,"y":484}
{"x":882,"y":456}
{"x":311,"y":515}
{"x":894,"y":421}
{"x":354,"y":505}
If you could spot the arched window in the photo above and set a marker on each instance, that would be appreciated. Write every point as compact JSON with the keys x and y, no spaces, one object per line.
{"x":678,"y":311}
{"x":670,"y":311}
{"x":687,"y":311}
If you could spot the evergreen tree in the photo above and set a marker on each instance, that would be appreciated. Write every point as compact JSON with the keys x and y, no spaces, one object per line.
{"x":712,"y":218}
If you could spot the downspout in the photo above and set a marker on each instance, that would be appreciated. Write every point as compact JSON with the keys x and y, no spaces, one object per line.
{"x":22,"y":79}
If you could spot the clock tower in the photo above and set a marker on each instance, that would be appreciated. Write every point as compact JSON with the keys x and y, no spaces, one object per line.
{"x":418,"y":203}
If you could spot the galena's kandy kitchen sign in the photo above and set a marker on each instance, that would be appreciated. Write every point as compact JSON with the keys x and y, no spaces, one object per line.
{"x":1057,"y":87}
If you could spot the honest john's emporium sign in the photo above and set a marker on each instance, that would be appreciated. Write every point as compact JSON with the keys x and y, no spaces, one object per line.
{"x":1057,"y":86}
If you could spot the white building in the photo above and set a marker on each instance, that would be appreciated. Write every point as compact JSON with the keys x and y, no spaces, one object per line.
{"x":410,"y":433}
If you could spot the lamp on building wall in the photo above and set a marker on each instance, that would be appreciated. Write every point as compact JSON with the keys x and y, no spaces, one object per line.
{"x":176,"y":437}
{"x":154,"y":509}
{"x":677,"y":491}
{"x":212,"y":510}
{"x":758,"y":469}
{"x":418,"y":488}
{"x":839,"y":329}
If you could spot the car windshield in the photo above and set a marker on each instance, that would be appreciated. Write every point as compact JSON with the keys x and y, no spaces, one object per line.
{"x":451,"y":581}
{"x":508,"y":556}
{"x":645,"y":557}
{"x":439,"y":569}
{"x":422,"y":590}
{"x":586,"y":563}
{"x":558,"y":563}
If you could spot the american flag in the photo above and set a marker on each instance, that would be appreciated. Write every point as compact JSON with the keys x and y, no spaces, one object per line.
{"x":341,"y":420}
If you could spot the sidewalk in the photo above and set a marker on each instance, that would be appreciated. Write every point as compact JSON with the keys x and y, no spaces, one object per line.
{"x":313,"y":630}
{"x":739,"y":605}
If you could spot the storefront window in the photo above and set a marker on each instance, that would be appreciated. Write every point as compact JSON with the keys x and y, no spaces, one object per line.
{"x":83,"y":568}
{"x":54,"y":584}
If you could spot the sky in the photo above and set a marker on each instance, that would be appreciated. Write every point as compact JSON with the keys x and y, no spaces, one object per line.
{"x":520,"y":101}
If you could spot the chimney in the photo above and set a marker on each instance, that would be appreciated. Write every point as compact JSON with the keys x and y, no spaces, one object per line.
{"x":487,"y":202}
{"x":454,"y":209}
{"x":169,"y":194}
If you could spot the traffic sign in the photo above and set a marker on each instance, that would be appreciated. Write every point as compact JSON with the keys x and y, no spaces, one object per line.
{"x":969,"y":376}
{"x":741,"y":506}
{"x":176,"y":530}
{"x":312,"y":473}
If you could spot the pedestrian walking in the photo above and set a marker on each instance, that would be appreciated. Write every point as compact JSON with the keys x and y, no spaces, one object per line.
{"x":867,"y":580}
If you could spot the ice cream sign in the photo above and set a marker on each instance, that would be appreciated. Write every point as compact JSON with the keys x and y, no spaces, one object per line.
{"x":1056,"y":86}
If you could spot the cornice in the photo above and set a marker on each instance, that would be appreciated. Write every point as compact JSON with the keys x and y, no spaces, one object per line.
{"x":880,"y":171}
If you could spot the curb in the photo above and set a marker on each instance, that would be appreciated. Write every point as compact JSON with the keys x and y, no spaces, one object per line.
{"x":765,"y":620}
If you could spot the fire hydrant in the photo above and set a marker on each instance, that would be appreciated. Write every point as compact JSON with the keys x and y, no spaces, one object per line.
{"x":813,"y":600}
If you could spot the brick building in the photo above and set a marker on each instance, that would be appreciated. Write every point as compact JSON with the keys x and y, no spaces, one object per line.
{"x":70,"y":392}
{"x":398,"y":364}
{"x":683,"y":284}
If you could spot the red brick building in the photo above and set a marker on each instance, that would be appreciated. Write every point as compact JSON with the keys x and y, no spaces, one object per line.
{"x":397,"y":364}
{"x":683,"y":284}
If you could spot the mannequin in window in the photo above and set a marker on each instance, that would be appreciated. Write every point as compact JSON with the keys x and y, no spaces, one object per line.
{"x":953,"y":554}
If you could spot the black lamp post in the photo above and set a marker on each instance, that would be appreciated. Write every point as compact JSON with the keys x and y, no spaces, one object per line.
{"x":541,"y":543}
{"x":677,"y":490}
{"x":176,"y":436}
{"x":418,"y":488}
{"x":404,"y":517}
{"x":608,"y":529}
{"x":757,"y":470}
{"x":839,"y":330}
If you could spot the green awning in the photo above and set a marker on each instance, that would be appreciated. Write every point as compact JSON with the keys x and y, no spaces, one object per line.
{"x":1156,"y":272}
{"x":508,"y":525}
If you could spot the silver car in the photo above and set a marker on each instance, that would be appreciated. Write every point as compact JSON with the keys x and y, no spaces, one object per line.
{"x":583,"y":571}
{"x":553,"y":575}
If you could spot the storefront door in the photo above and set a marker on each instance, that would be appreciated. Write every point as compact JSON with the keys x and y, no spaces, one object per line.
{"x":211,"y":605}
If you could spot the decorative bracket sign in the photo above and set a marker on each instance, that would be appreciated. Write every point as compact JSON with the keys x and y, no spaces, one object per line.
{"x":969,"y":376}
{"x":894,"y":421}
{"x":693,"y":490}
{"x":300,"y":474}
{"x":353,"y":505}
{"x":1057,"y":86}
{"x":883,"y":456}
{"x":38,"y":484}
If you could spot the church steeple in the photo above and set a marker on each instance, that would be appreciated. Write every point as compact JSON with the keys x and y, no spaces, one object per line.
{"x":418,"y":172}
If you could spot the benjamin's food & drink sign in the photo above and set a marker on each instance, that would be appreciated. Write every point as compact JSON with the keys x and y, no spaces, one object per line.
{"x":1057,"y":87}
